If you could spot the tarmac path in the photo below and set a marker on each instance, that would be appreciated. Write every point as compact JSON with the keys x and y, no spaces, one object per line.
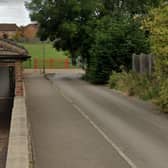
{"x":79,"y":125}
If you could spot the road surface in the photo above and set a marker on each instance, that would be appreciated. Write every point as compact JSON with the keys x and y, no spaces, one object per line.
{"x":92,"y":126}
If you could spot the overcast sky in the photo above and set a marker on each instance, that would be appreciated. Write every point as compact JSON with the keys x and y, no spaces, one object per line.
{"x":13,"y":11}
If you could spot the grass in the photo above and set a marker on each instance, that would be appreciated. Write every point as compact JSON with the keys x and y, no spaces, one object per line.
{"x":53,"y":58}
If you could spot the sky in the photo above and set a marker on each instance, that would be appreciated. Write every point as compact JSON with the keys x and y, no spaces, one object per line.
{"x":14,"y":11}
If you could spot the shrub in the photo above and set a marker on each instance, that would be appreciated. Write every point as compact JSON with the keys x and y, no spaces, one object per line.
{"x":116,"y":39}
{"x":122,"y":81}
{"x":135,"y":84}
{"x":163,"y":96}
{"x":156,"y":24}
{"x":143,"y":86}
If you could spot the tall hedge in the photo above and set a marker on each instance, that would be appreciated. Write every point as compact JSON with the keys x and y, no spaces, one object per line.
{"x":116,"y":39}
{"x":157,"y":24}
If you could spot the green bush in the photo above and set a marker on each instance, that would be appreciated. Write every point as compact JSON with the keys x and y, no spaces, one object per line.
{"x":143,"y":86}
{"x":115,"y":40}
{"x":163,"y":96}
{"x":121,"y":81}
{"x":134,"y":84}
{"x":156,"y":24}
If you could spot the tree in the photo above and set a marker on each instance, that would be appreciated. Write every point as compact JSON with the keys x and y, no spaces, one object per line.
{"x":116,"y":39}
{"x":63,"y":21}
{"x":67,"y":22}
{"x":131,"y":7}
{"x":76,"y":25}
{"x":157,"y":25}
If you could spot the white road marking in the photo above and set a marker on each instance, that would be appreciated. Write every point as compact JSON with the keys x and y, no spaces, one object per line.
{"x":66,"y":98}
{"x":101,"y":132}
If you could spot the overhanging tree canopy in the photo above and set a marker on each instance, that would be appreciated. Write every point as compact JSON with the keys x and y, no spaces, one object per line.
{"x":66,"y":21}
{"x":74,"y":25}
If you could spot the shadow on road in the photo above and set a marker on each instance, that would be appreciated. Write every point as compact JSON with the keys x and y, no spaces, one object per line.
{"x":5,"y":117}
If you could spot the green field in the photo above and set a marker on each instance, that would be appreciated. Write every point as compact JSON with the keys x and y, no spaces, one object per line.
{"x":53,"y":58}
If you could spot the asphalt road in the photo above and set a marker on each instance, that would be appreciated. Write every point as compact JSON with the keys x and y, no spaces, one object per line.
{"x":61,"y":136}
{"x":93,"y":126}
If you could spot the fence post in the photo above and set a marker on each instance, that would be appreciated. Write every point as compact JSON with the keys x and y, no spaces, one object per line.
{"x":35,"y":64}
{"x":51,"y":63}
{"x":141,"y":63}
{"x":66,"y":63}
{"x":150,"y":64}
{"x":133,"y":63}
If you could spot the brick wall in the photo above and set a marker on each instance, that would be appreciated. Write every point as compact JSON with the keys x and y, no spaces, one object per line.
{"x":18,"y":78}
{"x":30,"y":32}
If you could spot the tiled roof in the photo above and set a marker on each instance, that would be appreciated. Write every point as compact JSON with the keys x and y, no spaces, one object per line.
{"x":8,"y":27}
{"x":9,"y":49}
{"x":32,"y":24}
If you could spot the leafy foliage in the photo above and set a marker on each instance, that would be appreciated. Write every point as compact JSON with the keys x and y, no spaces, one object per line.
{"x":157,"y":25}
{"x":135,"y":84}
{"x":116,"y":39}
{"x":103,"y":32}
{"x":131,"y":7}
{"x":163,"y":99}
{"x":64,"y":21}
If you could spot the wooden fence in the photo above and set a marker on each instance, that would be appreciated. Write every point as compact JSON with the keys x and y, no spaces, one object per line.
{"x":142,"y":63}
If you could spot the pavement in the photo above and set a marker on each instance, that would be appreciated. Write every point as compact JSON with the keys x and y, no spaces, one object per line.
{"x":79,"y":125}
